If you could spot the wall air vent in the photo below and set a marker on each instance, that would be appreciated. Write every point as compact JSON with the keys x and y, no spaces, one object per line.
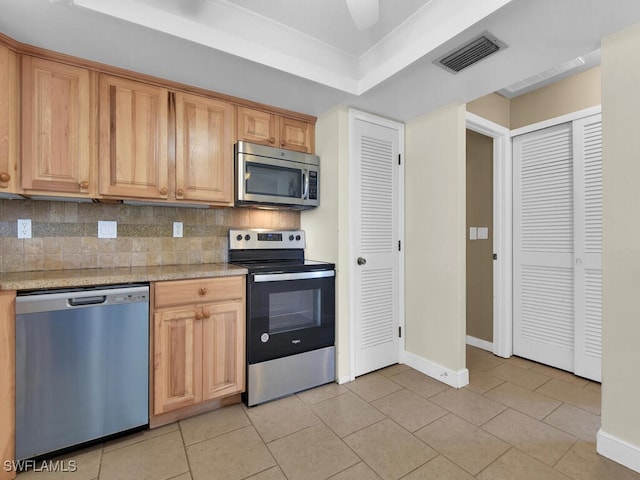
{"x":470,"y":53}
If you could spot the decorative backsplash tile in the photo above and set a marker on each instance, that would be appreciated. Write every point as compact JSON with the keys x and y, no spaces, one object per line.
{"x":65,"y":234}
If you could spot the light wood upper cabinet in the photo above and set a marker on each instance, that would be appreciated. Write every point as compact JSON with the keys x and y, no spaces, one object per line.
{"x":199,"y":341}
{"x":58,"y":125}
{"x":133,"y":139}
{"x":265,"y":128}
{"x":8,"y":121}
{"x":204,"y":149}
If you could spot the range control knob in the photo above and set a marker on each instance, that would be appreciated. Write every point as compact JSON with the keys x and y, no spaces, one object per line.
{"x":247,"y":237}
{"x":291,"y":238}
{"x":298,"y":237}
{"x":238,"y":237}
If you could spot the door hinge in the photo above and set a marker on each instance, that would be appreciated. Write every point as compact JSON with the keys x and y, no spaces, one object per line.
{"x":495,"y":256}
{"x":399,"y":159}
{"x":400,"y":332}
{"x":399,"y":245}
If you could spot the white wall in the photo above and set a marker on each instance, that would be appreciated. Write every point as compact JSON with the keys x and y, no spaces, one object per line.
{"x":435,"y":318}
{"x":619,"y":437}
{"x":327,"y":226}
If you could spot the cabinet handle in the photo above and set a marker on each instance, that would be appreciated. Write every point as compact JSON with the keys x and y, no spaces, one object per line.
{"x":206,"y":314}
{"x":283,"y":143}
{"x":198,"y":315}
{"x":179,"y":192}
{"x":272,"y":140}
{"x":84,"y":185}
{"x":202,"y":291}
{"x":163,"y":191}
{"x":4,"y":177}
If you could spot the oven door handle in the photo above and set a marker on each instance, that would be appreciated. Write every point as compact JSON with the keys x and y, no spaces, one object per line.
{"x":278,"y":277}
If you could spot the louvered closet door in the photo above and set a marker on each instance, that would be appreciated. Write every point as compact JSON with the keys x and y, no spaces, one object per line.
{"x":376,"y":240}
{"x":543,"y":247}
{"x":588,"y":246}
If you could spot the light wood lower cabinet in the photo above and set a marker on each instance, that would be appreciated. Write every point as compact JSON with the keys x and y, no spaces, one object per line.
{"x":7,"y":381}
{"x":198,"y":346}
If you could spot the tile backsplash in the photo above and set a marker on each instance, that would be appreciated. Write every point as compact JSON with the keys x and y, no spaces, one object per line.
{"x":65,"y":234}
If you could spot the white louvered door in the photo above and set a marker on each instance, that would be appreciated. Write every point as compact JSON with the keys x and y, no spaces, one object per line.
{"x":543,"y":280}
{"x":588,"y":246}
{"x":376,"y":240}
{"x":557,"y":246}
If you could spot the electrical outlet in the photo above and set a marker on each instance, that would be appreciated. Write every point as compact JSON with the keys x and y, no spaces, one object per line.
{"x":24,"y":228}
{"x":177,"y":229}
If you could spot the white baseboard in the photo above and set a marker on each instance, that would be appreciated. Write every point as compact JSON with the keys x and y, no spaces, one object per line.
{"x":344,"y":379}
{"x":483,"y":344}
{"x":618,"y":450}
{"x":454,"y":379}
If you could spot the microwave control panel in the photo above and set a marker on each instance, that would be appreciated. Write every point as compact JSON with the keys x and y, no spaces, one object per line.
{"x":313,"y":185}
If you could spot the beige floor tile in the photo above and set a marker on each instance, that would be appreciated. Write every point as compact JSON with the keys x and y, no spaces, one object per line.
{"x":440,"y":468}
{"x":541,"y":441}
{"x":520,"y":376}
{"x":393,"y":369}
{"x":481,"y":382}
{"x":584,"y":398}
{"x":347,"y":413}
{"x":359,"y":471}
{"x":184,"y":476}
{"x":579,"y":423}
{"x":314,"y":453}
{"x":593,"y":387}
{"x":519,"y":362}
{"x":583,"y":463}
{"x":273,"y":473}
{"x":372,"y":386}
{"x":464,"y":444}
{"x":409,"y":409}
{"x":419,"y":383}
{"x":281,"y":417}
{"x":234,"y":455}
{"x":319,"y":394}
{"x":389,"y":449}
{"x":139,"y":437}
{"x":560,"y":374}
{"x":209,"y":425}
{"x":483,"y":363}
{"x":157,"y":458}
{"x":474,"y":408}
{"x":80,"y":465}
{"x":524,"y":400}
{"x":515,"y":465}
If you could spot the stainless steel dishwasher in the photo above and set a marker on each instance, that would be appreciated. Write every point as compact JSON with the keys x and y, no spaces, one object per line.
{"x":82,"y":366}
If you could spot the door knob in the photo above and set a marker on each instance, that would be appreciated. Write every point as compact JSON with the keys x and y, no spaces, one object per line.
{"x":362,"y":261}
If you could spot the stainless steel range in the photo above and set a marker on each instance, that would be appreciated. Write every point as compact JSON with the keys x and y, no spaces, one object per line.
{"x":290,"y":314}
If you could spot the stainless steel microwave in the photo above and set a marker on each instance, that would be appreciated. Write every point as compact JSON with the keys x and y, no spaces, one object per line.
{"x":271,"y":177}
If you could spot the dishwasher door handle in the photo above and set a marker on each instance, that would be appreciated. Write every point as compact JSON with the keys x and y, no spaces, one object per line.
{"x":82,"y":301}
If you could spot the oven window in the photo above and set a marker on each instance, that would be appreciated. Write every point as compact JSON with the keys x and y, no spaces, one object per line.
{"x":294,"y":310}
{"x":273,"y":180}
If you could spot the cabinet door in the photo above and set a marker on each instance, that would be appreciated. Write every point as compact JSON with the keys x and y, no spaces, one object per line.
{"x":57,"y":127}
{"x":8,"y":121}
{"x":256,"y":126}
{"x":223,"y":349}
{"x":296,"y":135}
{"x":204,"y":149}
{"x":133,"y":139}
{"x":177,"y":366}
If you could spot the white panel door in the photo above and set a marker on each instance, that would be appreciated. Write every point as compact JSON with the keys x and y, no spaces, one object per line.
{"x":543,"y":247}
{"x":376,"y":241}
{"x":587,"y":147}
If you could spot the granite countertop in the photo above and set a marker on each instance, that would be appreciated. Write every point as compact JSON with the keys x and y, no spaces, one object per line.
{"x":107,"y":276}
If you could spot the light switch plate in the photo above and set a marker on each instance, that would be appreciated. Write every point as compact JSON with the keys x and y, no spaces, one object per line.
{"x":473,"y":233}
{"x":483,"y":233}
{"x":107,"y":229}
{"x":177,"y":229}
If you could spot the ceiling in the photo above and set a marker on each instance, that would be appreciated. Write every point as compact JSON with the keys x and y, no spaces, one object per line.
{"x":307,"y":55}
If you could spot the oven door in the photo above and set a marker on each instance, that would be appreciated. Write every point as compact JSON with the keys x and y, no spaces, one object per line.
{"x":289,"y":313}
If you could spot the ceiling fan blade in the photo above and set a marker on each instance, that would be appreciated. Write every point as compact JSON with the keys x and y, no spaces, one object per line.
{"x":365,"y":13}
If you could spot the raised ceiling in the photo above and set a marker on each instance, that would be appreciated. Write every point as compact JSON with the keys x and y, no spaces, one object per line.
{"x":307,"y":55}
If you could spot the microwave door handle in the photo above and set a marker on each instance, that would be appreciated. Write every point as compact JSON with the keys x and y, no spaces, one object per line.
{"x":305,"y":180}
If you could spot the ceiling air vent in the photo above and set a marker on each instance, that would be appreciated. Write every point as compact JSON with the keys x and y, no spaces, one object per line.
{"x":470,"y":53}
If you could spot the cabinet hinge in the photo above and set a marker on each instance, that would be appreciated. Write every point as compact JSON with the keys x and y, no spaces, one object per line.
{"x":400,"y":332}
{"x":399,"y":159}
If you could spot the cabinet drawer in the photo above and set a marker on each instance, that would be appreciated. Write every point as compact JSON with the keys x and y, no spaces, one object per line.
{"x":199,"y":290}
